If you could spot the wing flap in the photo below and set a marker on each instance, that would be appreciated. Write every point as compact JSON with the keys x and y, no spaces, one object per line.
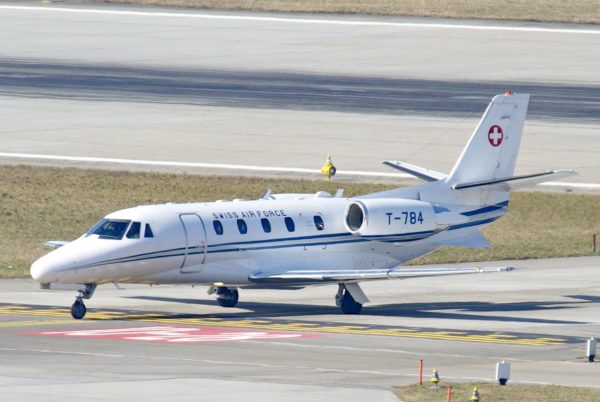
{"x":307,"y":277}
{"x":406,"y":273}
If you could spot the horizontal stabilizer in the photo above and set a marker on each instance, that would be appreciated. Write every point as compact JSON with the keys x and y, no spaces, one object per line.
{"x":515,"y":182}
{"x":55,"y":243}
{"x":307,"y":277}
{"x":418,"y":172}
{"x":472,"y":240}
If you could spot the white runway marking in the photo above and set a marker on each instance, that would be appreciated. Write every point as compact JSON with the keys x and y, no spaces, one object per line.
{"x":290,"y":20}
{"x":250,"y":168}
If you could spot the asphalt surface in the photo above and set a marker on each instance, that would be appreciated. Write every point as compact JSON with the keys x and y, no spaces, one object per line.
{"x":155,"y":342}
{"x":289,"y":91}
{"x":193,"y":86}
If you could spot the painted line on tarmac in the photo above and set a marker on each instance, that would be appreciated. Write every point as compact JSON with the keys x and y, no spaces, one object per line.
{"x":249,"y":168}
{"x":524,"y":339}
{"x":33,"y":323}
{"x":175,"y":334}
{"x":587,"y":186}
{"x":253,"y":364}
{"x":291,"y":20}
{"x":354,"y":349}
{"x":210,"y":362}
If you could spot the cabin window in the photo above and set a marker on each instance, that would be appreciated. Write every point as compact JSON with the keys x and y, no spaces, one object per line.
{"x":134,"y":231}
{"x":242,"y":227}
{"x":148,"y":231}
{"x":218,"y":226}
{"x":111,"y":229}
{"x":319,"y":222}
{"x":266,"y":225}
{"x":289,"y":223}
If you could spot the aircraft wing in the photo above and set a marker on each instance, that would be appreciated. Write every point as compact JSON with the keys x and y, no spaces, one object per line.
{"x":55,"y":243}
{"x":324,"y":276}
{"x":417,"y":171}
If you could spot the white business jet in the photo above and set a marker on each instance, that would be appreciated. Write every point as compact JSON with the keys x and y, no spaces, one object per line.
{"x":297,"y":240}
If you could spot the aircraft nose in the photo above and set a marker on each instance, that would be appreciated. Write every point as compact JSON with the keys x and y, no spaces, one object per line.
{"x":46,"y":269}
{"x":40,"y":270}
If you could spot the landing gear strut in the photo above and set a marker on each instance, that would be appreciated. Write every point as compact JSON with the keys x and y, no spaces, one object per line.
{"x":345,"y":301}
{"x":227,"y":297}
{"x":78,"y":308}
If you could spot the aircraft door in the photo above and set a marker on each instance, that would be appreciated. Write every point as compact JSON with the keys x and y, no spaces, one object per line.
{"x":195,"y":247}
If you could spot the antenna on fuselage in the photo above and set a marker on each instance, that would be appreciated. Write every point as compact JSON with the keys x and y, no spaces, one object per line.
{"x":266,"y":194}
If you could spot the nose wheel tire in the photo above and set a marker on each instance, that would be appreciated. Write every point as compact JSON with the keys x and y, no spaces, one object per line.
{"x":78,"y":310}
{"x":227,"y":297}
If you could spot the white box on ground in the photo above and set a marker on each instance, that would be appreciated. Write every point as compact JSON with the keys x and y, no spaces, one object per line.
{"x":591,"y":349}
{"x":502,"y":372}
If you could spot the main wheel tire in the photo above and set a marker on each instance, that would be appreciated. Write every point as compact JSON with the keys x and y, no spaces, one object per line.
{"x":349,"y":305}
{"x":227,"y":297}
{"x":78,"y":310}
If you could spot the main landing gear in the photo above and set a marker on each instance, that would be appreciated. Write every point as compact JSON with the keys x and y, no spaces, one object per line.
{"x":345,"y":301}
{"x":78,"y":308}
{"x":226,"y":297}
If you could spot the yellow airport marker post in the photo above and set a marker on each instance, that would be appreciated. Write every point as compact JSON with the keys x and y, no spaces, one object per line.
{"x":328,"y":170}
{"x":475,"y":395}
{"x":435,"y":378}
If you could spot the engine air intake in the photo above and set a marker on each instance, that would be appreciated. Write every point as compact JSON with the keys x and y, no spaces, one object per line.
{"x":355,"y":217}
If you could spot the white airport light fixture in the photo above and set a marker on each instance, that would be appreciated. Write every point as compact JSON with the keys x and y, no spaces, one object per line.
{"x":591,"y":349}
{"x":502,"y":372}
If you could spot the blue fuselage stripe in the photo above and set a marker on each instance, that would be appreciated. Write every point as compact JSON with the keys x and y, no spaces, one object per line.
{"x":301,"y":241}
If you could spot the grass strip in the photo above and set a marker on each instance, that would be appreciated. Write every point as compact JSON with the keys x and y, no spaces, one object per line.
{"x":44,"y":203}
{"x":497,"y":393}
{"x":576,"y":11}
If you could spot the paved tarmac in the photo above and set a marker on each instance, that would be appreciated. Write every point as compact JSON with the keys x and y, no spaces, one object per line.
{"x":167,"y":86}
{"x":158,"y":341}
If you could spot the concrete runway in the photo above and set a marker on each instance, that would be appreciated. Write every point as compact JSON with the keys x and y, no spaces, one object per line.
{"x":226,"y":89}
{"x":295,"y":345}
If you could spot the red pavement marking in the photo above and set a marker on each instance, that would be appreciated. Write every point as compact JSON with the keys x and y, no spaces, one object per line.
{"x":174,"y":334}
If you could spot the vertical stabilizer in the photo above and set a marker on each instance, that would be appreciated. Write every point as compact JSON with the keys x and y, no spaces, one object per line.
{"x":493,"y":148}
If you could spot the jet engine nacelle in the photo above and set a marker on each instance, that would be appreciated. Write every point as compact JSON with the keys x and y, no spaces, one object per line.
{"x":384,"y":217}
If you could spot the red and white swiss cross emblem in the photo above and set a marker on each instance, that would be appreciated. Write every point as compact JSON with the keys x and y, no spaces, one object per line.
{"x":495,"y":135}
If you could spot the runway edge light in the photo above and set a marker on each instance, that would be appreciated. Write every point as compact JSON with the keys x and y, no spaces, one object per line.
{"x":591,"y":349}
{"x":502,"y":372}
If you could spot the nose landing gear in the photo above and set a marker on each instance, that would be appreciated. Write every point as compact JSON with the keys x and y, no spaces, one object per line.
{"x":78,"y":308}
{"x":226,"y":297}
{"x":345,"y":301}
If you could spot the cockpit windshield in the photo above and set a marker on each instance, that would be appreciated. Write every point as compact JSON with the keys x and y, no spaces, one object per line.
{"x":109,"y":229}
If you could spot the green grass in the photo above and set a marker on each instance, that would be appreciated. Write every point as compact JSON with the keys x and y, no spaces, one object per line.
{"x":578,"y":11}
{"x":42,"y":203}
{"x":492,"y":392}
